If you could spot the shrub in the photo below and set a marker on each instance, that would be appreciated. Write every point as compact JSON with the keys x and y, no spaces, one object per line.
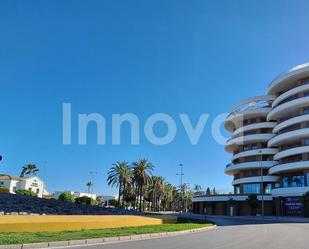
{"x":25,"y":192}
{"x":84,"y":200}
{"x":4,"y":189}
{"x":66,"y":196}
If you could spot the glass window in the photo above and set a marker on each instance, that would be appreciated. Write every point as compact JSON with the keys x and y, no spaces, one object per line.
{"x":252,"y":188}
{"x":268,"y":188}
{"x":306,"y":110}
{"x":306,"y":141}
{"x":293,"y":181}
{"x":246,"y":147}
{"x":237,"y":190}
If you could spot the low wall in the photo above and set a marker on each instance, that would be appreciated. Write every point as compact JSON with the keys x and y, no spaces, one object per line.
{"x":53,"y":223}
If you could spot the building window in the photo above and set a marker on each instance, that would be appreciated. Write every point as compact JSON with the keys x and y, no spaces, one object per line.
{"x":252,"y":188}
{"x":254,"y":147}
{"x":246,"y":147}
{"x":306,"y":141}
{"x":30,"y":189}
{"x":306,"y":110}
{"x":268,"y":188}
{"x":37,"y":191}
{"x":293,"y":181}
{"x":14,"y":189}
{"x":237,"y":190}
{"x":307,"y":178}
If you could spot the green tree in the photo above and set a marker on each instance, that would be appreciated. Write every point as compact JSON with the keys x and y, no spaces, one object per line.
{"x":66,"y":196}
{"x":142,"y":175}
{"x":85,"y":200}
{"x":168,"y":196}
{"x":29,"y":169}
{"x":4,"y":189}
{"x":25,"y":192}
{"x":120,"y":175}
{"x":214,"y":192}
{"x":156,"y":191}
{"x":208,"y":191}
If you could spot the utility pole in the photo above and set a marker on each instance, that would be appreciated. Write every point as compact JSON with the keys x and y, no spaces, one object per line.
{"x":181,"y":187}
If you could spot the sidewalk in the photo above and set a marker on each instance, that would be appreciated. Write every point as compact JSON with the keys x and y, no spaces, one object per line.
{"x":257,"y":218}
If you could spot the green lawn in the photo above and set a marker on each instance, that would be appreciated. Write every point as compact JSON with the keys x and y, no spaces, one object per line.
{"x":20,"y":238}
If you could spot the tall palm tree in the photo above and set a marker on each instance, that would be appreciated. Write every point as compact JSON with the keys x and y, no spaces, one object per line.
{"x":119,"y":176}
{"x":156,"y":191}
{"x":168,"y":196}
{"x":142,"y":175}
{"x":29,"y":169}
{"x":127,"y":176}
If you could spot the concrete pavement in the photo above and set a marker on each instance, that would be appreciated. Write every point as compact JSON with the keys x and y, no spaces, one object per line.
{"x":228,"y":236}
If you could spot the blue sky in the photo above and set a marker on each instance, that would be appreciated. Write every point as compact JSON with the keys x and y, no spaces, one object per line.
{"x":141,"y":57}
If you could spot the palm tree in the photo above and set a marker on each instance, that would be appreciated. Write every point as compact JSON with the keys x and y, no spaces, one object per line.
{"x":29,"y":169}
{"x":156,"y":191}
{"x":127,"y":176}
{"x":119,"y":176}
{"x":142,"y":172}
{"x":168,"y":196}
{"x":89,"y":186}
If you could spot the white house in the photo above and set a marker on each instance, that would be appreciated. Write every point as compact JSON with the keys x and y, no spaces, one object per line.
{"x":76,"y":194}
{"x":32,"y":183}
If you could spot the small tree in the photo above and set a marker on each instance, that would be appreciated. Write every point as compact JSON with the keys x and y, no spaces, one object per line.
{"x":25,"y":192}
{"x":66,"y":196}
{"x":84,"y":200}
{"x":305,"y":202}
{"x":208,"y":191}
{"x":214,"y":192}
{"x":253,"y":202}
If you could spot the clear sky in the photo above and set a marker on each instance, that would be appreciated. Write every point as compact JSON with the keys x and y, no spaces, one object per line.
{"x":141,"y":57}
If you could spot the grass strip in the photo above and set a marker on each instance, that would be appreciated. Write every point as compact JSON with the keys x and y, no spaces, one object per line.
{"x":23,"y":238}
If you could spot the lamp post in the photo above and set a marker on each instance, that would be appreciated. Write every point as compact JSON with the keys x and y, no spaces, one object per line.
{"x":262,"y":182}
{"x":181,"y":190}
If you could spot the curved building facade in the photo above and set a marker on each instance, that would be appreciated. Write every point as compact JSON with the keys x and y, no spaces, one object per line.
{"x":251,"y":156}
{"x":269,"y":147}
{"x":290,"y":110}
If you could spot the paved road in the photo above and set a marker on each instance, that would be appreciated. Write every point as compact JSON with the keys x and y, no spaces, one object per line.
{"x":232,"y":235}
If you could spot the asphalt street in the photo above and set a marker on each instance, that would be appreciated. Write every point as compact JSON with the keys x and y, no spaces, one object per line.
{"x":231,"y":234}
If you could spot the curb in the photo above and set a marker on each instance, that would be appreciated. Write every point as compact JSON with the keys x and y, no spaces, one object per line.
{"x":98,"y":241}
